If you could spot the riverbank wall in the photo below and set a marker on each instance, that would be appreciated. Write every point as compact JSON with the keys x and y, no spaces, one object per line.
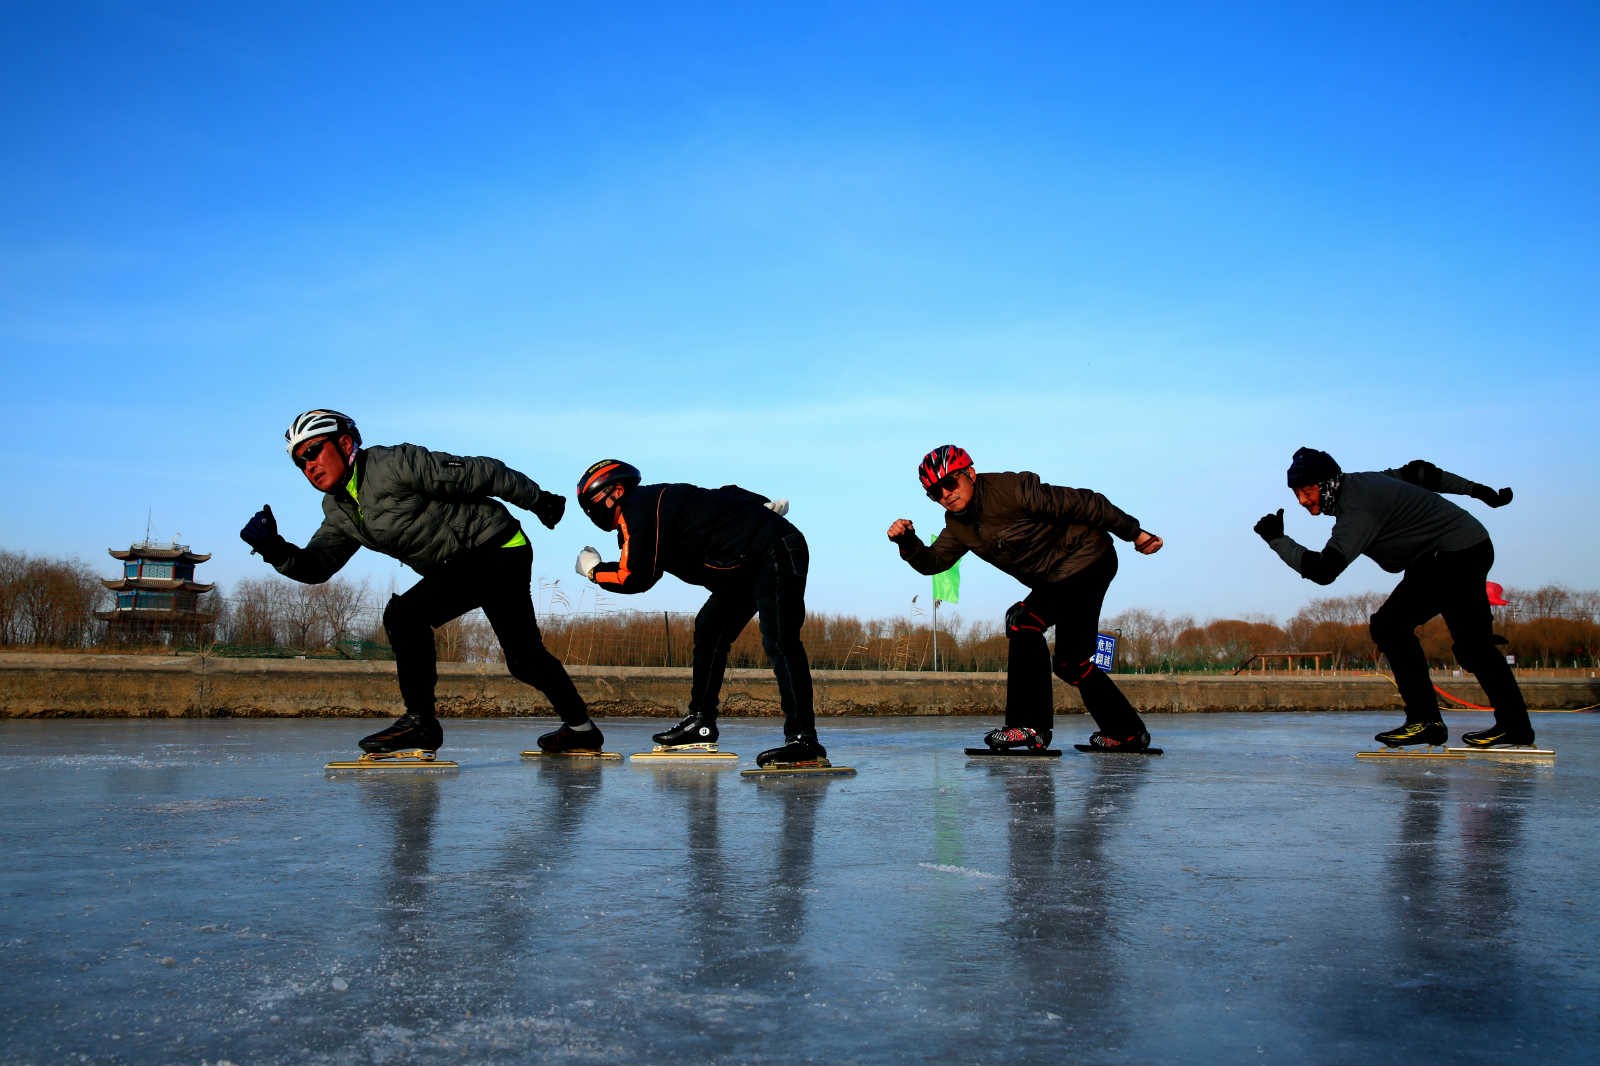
{"x":66,"y":685}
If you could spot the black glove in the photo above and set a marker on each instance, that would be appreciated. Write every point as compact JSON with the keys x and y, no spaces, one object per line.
{"x":261,"y":533}
{"x":1490,"y":496}
{"x":1270,"y":528}
{"x":549,"y":508}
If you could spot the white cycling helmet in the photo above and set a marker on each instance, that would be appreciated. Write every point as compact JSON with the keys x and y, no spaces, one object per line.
{"x":320,"y":422}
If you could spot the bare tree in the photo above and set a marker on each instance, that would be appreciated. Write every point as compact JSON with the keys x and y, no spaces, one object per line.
{"x":13,"y":580}
{"x":1549,"y":601}
{"x":252,"y":614}
{"x":339,"y":605}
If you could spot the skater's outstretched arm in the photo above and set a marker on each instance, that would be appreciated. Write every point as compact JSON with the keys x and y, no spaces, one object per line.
{"x":1423,"y":473}
{"x":639,"y":566}
{"x":1147,"y":543}
{"x":1082,"y":506}
{"x":941,"y":555}
{"x":445,"y":476}
{"x":319,"y":560}
{"x":1321,"y":567}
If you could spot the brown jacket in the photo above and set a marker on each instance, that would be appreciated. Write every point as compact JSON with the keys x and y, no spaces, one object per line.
{"x":1037,"y":533}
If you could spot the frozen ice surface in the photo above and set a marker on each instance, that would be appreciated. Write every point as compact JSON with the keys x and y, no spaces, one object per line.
{"x":197,"y":891}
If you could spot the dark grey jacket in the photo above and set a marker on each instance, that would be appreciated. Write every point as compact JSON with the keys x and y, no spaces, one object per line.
{"x":1035,"y":532}
{"x":419,"y":506}
{"x":1391,"y":520}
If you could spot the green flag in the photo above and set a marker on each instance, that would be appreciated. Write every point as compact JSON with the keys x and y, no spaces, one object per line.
{"x":947,"y":586}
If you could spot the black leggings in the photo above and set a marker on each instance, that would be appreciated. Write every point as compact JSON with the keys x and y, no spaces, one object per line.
{"x":1073,"y":607}
{"x":1451,"y":584}
{"x":497,"y":580}
{"x":776,"y":595}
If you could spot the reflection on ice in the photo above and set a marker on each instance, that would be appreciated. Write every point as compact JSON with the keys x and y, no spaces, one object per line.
{"x":186,"y":891}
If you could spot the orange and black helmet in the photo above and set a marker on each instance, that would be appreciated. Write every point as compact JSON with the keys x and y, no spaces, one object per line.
{"x":596,"y":479}
{"x":940,"y":463}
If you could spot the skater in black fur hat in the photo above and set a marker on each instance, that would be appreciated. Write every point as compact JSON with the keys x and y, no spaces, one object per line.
{"x":1398,"y":519}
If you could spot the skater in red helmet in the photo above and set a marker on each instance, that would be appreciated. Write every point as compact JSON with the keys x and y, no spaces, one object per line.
{"x":738,"y":545}
{"x":440,"y":515}
{"x":1398,"y":519}
{"x":1057,"y":542}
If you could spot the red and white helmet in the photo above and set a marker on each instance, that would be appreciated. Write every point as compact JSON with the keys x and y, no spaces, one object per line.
{"x":944,"y":460}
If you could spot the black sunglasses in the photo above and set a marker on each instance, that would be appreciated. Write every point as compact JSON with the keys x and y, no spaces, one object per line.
{"x":312,"y":450}
{"x":945,"y":484}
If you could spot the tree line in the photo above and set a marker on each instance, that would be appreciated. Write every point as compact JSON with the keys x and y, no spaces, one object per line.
{"x":50,"y":603}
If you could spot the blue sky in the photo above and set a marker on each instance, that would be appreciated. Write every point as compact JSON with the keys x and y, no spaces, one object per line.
{"x":1148,"y":249}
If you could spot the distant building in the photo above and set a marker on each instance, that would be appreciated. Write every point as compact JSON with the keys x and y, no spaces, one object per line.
{"x":158,"y":599}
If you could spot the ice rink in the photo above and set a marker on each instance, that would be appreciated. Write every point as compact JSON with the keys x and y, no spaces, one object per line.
{"x":203,"y":891}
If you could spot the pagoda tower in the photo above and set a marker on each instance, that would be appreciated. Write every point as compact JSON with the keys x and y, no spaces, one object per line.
{"x":157,"y":595}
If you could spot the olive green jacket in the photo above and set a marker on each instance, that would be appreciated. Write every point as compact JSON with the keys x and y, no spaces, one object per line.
{"x":422,"y":507}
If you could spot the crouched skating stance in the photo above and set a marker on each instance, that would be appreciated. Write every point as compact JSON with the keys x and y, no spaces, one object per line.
{"x":1057,"y":542}
{"x":754,"y":561}
{"x":1398,"y":519}
{"x":441,"y":515}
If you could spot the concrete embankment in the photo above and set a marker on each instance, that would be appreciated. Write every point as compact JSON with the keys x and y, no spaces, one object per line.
{"x":44,"y":685}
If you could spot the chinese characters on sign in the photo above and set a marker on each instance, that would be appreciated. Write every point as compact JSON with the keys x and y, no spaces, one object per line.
{"x":1105,"y":652}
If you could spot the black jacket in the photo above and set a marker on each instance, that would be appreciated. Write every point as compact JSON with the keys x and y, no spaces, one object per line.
{"x":707,"y":537}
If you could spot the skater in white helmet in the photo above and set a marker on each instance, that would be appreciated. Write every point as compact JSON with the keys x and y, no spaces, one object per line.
{"x":441,"y":515}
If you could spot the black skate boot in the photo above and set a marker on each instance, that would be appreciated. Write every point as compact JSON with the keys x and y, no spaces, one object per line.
{"x":694,"y":729}
{"x":1014,"y":738}
{"x":567,"y":739}
{"x":409,"y":732}
{"x":1498,"y":736}
{"x":800,"y":751}
{"x":1105,"y":742}
{"x":1430,"y":733}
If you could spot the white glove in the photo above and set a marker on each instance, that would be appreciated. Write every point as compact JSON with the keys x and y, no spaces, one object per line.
{"x":778,"y":507}
{"x":588,"y":559}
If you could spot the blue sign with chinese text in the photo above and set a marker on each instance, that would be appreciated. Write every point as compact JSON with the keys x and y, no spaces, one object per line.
{"x":1105,"y":652}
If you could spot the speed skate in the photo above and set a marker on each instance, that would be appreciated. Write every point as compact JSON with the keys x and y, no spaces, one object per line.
{"x":1091,"y":749}
{"x":1424,"y":752}
{"x":814,"y":767}
{"x":676,"y":753}
{"x":1528,"y":752}
{"x":573,"y":756}
{"x":1014,"y":753}
{"x":407,"y":759}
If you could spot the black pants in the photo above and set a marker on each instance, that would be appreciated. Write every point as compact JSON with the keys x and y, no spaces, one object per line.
{"x":775,"y":594}
{"x":1451,"y":584}
{"x":1073,"y":607}
{"x":497,"y":580}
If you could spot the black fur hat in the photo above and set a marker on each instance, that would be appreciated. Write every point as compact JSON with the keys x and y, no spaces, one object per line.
{"x":1311,"y":467}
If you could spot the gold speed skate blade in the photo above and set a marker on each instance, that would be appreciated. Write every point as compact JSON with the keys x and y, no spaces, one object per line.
{"x":1411,"y":753}
{"x":816,"y":768}
{"x":684,"y":753}
{"x":1529,"y":753}
{"x":576,"y":756}
{"x":411,"y":759}
{"x":1013,"y":753}
{"x":1092,"y":750}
